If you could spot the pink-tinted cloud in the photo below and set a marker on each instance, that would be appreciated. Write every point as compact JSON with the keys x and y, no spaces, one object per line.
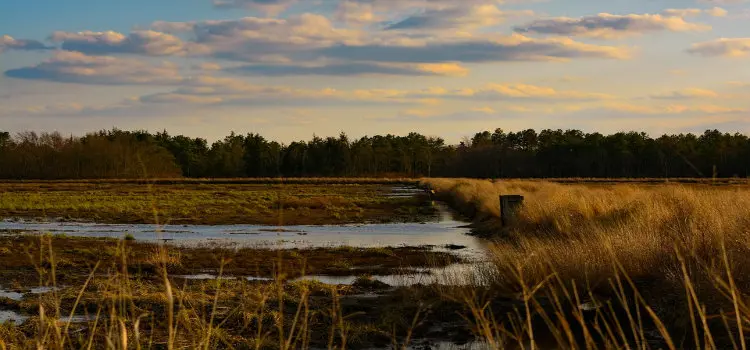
{"x":460,"y":16}
{"x":476,"y":49}
{"x":145,"y":42}
{"x":608,"y":26}
{"x":9,"y":43}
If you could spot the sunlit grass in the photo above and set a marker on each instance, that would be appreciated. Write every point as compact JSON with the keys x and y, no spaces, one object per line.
{"x":675,"y":252}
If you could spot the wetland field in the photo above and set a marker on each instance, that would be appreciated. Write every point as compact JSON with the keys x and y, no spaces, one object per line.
{"x":373,"y":264}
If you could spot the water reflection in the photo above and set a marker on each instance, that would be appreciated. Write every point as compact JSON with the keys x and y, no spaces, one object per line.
{"x":18,"y":295}
{"x":452,"y":346}
{"x":454,"y":275}
{"x":15,"y":317}
{"x":443,"y":230}
{"x":12,"y":316}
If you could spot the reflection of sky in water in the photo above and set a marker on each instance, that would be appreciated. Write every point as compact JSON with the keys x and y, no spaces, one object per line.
{"x":443,"y":230}
{"x":451,"y":346}
{"x":18,"y":295}
{"x":12,"y":316}
{"x":440,"y":231}
{"x":456,"y":274}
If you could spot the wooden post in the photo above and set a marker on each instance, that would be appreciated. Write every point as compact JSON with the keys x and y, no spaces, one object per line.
{"x":509,"y":206}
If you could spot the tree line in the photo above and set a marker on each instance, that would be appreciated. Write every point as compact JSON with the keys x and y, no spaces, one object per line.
{"x":488,"y":154}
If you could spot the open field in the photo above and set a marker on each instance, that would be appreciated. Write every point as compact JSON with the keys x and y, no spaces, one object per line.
{"x":211,"y":202}
{"x":584,"y":264}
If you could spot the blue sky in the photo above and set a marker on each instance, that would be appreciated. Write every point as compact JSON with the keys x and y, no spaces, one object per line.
{"x":293,"y":68}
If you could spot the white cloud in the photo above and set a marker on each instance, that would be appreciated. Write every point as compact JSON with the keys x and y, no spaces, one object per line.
{"x":207,"y":66}
{"x":738,"y":84}
{"x":314,"y":39}
{"x":673,"y":109}
{"x":490,"y":48}
{"x":67,"y":109}
{"x":461,"y":17}
{"x":690,"y":93}
{"x":727,"y":47}
{"x":722,"y":2}
{"x":717,"y":12}
{"x":511,"y":91}
{"x":256,"y":39}
{"x":213,"y":89}
{"x":355,"y":12}
{"x":488,"y":110}
{"x":692,"y":12}
{"x":352,"y":69}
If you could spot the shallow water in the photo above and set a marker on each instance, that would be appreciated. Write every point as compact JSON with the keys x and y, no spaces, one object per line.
{"x":15,"y":295}
{"x":456,"y":275}
{"x":443,"y":345}
{"x":12,"y":316}
{"x":203,"y":276}
{"x":404,"y":191}
{"x":15,"y":317}
{"x":442,"y":230}
{"x":451,"y":346}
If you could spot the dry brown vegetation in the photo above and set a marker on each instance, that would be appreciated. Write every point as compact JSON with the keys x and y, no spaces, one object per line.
{"x":130,"y":297}
{"x":683,"y":250}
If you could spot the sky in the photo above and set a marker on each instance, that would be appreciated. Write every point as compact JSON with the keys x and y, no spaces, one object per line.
{"x":291,"y":69}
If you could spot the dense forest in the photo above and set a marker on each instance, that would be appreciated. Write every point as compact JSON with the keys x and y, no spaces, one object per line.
{"x":498,"y":154}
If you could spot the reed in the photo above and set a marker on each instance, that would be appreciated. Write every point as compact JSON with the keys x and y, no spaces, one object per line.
{"x":675,"y":252}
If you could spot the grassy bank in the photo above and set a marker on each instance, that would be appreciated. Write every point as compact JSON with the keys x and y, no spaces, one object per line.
{"x":196,"y":202}
{"x":680,"y":254}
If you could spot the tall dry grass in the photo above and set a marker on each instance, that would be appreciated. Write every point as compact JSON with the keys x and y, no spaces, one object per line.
{"x":122,"y":311}
{"x":683,"y":250}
